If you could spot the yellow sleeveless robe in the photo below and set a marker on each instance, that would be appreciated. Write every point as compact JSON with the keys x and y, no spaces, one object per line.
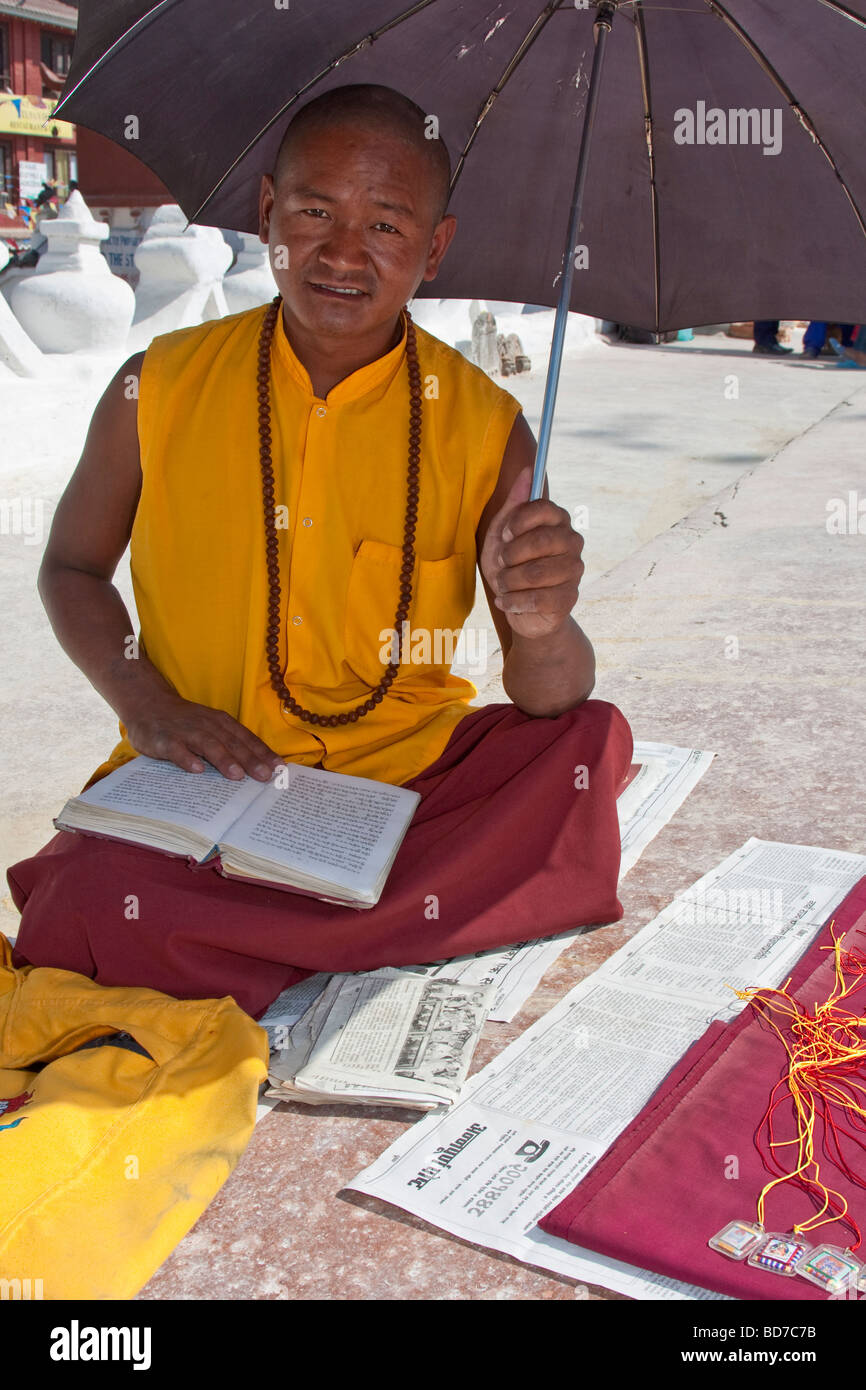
{"x":198,"y":541}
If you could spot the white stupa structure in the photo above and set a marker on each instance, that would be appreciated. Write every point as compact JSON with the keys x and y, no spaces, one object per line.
{"x":250,"y":281}
{"x":181,"y":276}
{"x":72,"y":302}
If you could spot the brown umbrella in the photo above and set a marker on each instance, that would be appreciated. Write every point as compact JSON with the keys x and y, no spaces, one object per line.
{"x":721,"y":158}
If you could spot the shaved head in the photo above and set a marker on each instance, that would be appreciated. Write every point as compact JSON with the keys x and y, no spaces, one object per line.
{"x":354,"y":214}
{"x":380,"y":110}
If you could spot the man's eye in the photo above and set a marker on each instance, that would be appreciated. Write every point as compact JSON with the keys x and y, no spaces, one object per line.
{"x":315,"y":212}
{"x":387,"y":226}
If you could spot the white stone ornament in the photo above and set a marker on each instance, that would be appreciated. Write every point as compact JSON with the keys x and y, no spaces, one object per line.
{"x":250,"y":282}
{"x":19,"y":355}
{"x":485,"y":351}
{"x":181,"y":273}
{"x":72,"y":302}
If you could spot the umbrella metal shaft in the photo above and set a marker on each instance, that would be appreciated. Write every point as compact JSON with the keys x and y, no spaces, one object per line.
{"x":602,"y":26}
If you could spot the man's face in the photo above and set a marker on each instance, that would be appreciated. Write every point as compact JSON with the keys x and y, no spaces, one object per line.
{"x":353,"y":210}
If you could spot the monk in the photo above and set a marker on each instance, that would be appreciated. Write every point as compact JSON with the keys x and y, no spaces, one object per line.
{"x":307,"y":488}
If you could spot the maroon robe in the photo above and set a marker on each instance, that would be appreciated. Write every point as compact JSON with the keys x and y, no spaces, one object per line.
{"x":511,"y":840}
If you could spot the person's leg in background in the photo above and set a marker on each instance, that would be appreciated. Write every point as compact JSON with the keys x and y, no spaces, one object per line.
{"x":853,"y":356}
{"x":765,"y":333}
{"x":814,"y":338}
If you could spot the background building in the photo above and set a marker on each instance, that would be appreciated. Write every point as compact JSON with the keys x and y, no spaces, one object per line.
{"x":36,"y":38}
{"x":36,"y":42}
{"x":121,"y":191}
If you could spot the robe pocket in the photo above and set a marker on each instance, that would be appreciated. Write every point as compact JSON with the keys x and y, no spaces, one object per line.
{"x":442,"y":597}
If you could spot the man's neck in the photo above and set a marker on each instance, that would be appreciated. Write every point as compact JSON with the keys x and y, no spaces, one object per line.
{"x":330,"y":361}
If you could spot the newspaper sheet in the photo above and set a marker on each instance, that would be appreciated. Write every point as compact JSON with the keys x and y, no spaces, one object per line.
{"x":530,"y":1124}
{"x":383,"y":1035}
{"x":667,"y":775}
{"x":289,"y":1006}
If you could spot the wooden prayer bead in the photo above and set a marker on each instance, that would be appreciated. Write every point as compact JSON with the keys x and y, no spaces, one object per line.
{"x":272,"y":638}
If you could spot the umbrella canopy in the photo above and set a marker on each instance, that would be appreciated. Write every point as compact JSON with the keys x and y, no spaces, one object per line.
{"x":727,"y":174}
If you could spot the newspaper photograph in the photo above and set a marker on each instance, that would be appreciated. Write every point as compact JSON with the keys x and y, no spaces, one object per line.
{"x":513,"y":971}
{"x":532,"y":1123}
{"x":386,"y":1035}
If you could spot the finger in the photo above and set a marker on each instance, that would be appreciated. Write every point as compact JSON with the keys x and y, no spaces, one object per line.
{"x":216,"y":751}
{"x":256,"y":757}
{"x":250,"y":753}
{"x":540,"y":512}
{"x":174,"y":750}
{"x":264,"y":756}
{"x":246,"y":756}
{"x":518,"y":493}
{"x":547,"y":572}
{"x":557,"y":600}
{"x":539,"y":542}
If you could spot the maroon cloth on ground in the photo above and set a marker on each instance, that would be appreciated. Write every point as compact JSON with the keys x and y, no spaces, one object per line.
{"x":502,"y":837}
{"x":659,"y":1193}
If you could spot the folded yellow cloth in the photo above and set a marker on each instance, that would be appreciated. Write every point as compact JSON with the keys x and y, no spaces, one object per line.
{"x":108,"y":1156}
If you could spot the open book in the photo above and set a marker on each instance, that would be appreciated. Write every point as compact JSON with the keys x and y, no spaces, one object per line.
{"x":307,"y":830}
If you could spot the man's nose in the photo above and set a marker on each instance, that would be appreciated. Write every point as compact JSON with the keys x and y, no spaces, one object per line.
{"x":343,"y":246}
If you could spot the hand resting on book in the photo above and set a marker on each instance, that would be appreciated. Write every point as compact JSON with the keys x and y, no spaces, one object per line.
{"x":178,"y":731}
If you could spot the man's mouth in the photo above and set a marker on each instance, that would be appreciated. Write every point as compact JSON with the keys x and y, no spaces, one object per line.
{"x":343,"y":291}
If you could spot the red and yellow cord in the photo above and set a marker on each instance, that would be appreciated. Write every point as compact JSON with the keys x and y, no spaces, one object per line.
{"x":826,"y":1050}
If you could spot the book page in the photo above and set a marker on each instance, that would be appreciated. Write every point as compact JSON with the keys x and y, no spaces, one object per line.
{"x":203,"y":801}
{"x":341,"y":829}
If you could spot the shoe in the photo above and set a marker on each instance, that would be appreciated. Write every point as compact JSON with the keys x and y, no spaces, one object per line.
{"x":837,"y":347}
{"x":810,"y":352}
{"x":772,"y":349}
{"x":851,"y":365}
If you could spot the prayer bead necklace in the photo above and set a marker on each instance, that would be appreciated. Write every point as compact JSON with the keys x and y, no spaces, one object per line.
{"x":289,"y":703}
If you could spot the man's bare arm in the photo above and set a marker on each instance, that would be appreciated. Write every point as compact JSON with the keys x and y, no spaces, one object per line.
{"x":89,"y":534}
{"x":531,"y":567}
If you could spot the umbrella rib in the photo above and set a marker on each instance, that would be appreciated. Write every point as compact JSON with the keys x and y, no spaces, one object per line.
{"x":334,"y":63}
{"x":843,"y":10}
{"x":132,"y":32}
{"x":643,"y":58}
{"x":517,"y":57}
{"x":778,"y":81}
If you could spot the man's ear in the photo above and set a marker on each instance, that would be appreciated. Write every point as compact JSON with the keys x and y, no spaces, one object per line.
{"x":443,"y":235}
{"x":266,"y":202}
